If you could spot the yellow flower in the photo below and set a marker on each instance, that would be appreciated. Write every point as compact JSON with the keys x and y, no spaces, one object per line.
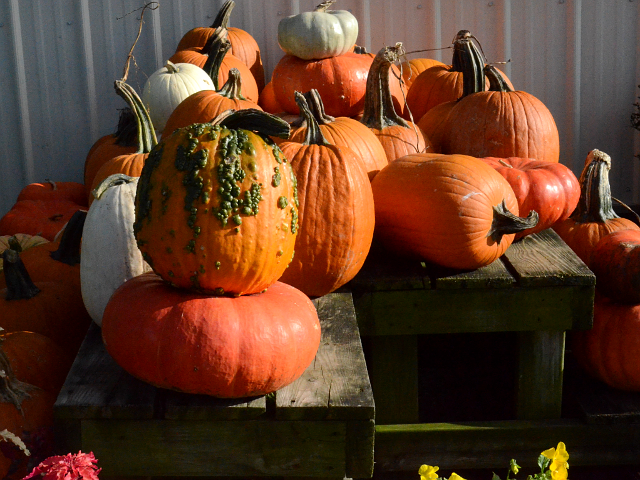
{"x":559,"y":465}
{"x":427,"y":472}
{"x":455,"y":476}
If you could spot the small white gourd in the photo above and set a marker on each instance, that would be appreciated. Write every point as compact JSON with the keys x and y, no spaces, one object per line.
{"x":110,"y":255}
{"x":168,"y":86}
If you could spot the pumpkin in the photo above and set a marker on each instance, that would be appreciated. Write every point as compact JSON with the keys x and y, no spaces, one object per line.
{"x":318,"y":34}
{"x":336,"y":213}
{"x":59,"y":260}
{"x":243,"y":45}
{"x":616,"y":262}
{"x":49,"y":190}
{"x":344,"y":132}
{"x":267,"y":100}
{"x":502,"y":123}
{"x":216,"y":205}
{"x":202,"y":107}
{"x":203,"y":57}
{"x":44,"y":218}
{"x":434,"y":125}
{"x":53,"y":309}
{"x":341,"y":82}
{"x":414,"y":67}
{"x":609,"y":350}
{"x":124,"y":141}
{"x":227,"y":347}
{"x":445,"y":83}
{"x":170,"y":85}
{"x":129,"y":164}
{"x":551,"y":189}
{"x":397,"y":136}
{"x":451,"y":210}
{"x":110,"y":255}
{"x":594,"y":217}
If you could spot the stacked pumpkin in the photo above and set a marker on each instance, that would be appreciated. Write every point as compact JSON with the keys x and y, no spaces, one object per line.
{"x":216,"y":217}
{"x":608,"y":245}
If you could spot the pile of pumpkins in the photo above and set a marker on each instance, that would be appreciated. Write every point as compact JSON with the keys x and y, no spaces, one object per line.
{"x":201,"y":250}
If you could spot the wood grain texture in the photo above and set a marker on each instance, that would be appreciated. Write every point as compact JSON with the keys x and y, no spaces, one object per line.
{"x":494,"y":275}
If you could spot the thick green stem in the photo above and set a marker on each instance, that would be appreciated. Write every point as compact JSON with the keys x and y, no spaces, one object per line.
{"x":379,"y":111}
{"x":255,"y":120}
{"x":19,"y":283}
{"x":504,"y":222}
{"x":69,"y":248}
{"x":233,"y":87}
{"x":469,"y":59}
{"x":497,"y":82}
{"x":222,"y":18}
{"x":146,"y":134}
{"x":324,"y":6}
{"x":595,"y":204}
{"x":313,"y":134}
{"x":216,"y":48}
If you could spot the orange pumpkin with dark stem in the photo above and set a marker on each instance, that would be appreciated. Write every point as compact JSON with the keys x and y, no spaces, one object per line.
{"x":220,"y":346}
{"x":49,"y":190}
{"x":397,"y":136}
{"x":452,"y":210}
{"x":594,"y":216}
{"x":243,"y":45}
{"x":616,"y":263}
{"x":38,"y":217}
{"x":336,"y":212}
{"x":216,"y":205}
{"x":609,"y":350}
{"x":549,"y":188}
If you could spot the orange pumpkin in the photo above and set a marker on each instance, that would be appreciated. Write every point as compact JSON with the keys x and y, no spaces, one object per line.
{"x":616,"y":263}
{"x":49,"y":190}
{"x":38,"y":217}
{"x":414,"y":67}
{"x":452,"y":210}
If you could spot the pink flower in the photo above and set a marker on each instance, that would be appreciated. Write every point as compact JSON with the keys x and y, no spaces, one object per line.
{"x":80,"y":466}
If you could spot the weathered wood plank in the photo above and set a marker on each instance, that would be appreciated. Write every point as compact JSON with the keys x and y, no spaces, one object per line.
{"x":184,"y":406}
{"x":336,"y":384}
{"x":540,"y":369}
{"x":97,"y":387}
{"x":494,"y":275}
{"x":360,"y":448}
{"x":239,"y":448}
{"x":412,"y":312}
{"x":544,"y":259}
{"x":493,"y":444}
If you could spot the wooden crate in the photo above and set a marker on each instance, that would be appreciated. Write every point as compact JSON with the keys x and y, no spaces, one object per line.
{"x":322,"y":425}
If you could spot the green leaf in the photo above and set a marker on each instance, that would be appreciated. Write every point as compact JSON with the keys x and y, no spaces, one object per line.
{"x":543,"y":462}
{"x":495,"y":477}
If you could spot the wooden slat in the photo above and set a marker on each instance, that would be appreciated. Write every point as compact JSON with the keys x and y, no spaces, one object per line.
{"x":97,"y":387}
{"x":494,"y":275}
{"x":336,"y":384}
{"x":204,"y":448}
{"x":184,"y":406}
{"x":494,"y":444}
{"x":543,"y":259}
{"x":360,"y":448}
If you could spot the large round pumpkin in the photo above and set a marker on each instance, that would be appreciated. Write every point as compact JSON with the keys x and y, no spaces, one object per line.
{"x":220,"y":346}
{"x":616,"y":263}
{"x":452,"y":210}
{"x":216,"y":206}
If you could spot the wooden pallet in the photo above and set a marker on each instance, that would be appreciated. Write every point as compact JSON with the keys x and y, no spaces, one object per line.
{"x":322,"y":425}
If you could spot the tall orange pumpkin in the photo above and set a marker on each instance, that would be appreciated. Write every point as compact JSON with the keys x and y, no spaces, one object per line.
{"x":452,"y":210}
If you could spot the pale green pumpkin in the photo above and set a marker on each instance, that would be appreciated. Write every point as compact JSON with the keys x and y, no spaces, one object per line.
{"x":318,"y":34}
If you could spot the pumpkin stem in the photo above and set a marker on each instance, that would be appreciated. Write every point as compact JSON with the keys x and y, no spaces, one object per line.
{"x":595,"y":204}
{"x":216,"y":48}
{"x":504,"y":222}
{"x":127,"y":130}
{"x":360,"y":50}
{"x":111,"y":181}
{"x":144,"y":126}
{"x":69,"y":248}
{"x":12,"y":390}
{"x":317,"y":107}
{"x":233,"y":87}
{"x":469,"y":59}
{"x":52,"y":183}
{"x":497,"y":82}
{"x":255,"y":120}
{"x":504,"y":164}
{"x":324,"y":5}
{"x":14,"y":244}
{"x":222,"y":18}
{"x":19,"y":283}
{"x":313,"y":134}
{"x":171,"y":67}
{"x":379,"y":111}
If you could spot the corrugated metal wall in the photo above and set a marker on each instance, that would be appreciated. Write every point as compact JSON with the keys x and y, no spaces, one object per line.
{"x":59,"y":59}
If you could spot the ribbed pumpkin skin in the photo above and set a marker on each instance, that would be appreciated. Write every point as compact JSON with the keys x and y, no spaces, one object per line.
{"x":220,"y":346}
{"x":616,"y":263}
{"x":202,"y":107}
{"x":434,"y":125}
{"x":130,"y":165}
{"x":336,"y":217}
{"x":414,"y":67}
{"x":99,"y":156}
{"x":610,"y":349}
{"x":440,"y":208}
{"x":239,"y":259}
{"x":551,"y":189}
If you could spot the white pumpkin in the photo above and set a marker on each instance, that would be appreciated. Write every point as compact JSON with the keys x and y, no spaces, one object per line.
{"x":168,"y":86}
{"x":110,"y":255}
{"x":318,"y":34}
